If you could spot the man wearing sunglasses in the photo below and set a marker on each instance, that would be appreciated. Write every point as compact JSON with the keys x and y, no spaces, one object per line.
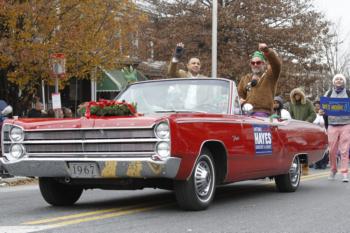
{"x":258,"y":87}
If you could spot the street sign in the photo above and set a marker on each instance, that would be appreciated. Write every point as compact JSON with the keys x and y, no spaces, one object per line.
{"x":56,"y":100}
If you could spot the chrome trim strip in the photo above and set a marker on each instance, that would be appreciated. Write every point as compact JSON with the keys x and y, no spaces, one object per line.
{"x":230,"y":102}
{"x":105,"y":140}
{"x":104,"y":128}
{"x":207,"y":121}
{"x":90,"y":153}
{"x":86,"y":155}
{"x":58,"y":156}
{"x":220,"y":121}
{"x":2,"y":160}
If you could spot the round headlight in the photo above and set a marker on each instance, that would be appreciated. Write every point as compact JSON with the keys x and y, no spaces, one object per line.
{"x":163,"y":149}
{"x":16,"y":134}
{"x":16,"y":152}
{"x":162,"y":130}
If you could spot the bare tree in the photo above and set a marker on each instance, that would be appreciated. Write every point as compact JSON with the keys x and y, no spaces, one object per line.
{"x":337,"y":53}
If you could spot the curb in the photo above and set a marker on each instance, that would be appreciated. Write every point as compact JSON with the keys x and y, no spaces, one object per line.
{"x":17,"y":180}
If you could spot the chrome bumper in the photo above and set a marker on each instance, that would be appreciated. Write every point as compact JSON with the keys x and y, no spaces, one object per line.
{"x":107,"y":168}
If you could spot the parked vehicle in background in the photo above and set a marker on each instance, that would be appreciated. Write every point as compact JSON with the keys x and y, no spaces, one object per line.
{"x":5,"y":110}
{"x":189,"y":135}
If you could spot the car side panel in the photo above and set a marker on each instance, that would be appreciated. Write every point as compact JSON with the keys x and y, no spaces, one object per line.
{"x":237,"y":135}
{"x":189,"y":134}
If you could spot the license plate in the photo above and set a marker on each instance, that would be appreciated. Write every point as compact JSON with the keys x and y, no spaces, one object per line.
{"x":83,"y":170}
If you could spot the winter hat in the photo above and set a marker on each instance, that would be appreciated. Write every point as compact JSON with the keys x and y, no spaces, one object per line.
{"x":279,"y":99}
{"x":259,"y":55}
{"x":339,"y":76}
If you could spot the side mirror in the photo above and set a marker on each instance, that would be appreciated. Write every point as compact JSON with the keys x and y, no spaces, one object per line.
{"x":247,"y":108}
{"x":6,"y":111}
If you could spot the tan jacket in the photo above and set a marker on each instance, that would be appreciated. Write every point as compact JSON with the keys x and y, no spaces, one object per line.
{"x":174,"y":72}
{"x":261,"y":96}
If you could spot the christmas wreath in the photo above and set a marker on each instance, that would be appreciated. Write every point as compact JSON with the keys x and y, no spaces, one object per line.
{"x":108,"y":108}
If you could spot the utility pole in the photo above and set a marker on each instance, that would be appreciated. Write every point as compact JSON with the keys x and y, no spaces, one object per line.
{"x":214,"y":39}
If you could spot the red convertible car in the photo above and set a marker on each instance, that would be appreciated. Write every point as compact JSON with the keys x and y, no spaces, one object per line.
{"x":188,"y":135}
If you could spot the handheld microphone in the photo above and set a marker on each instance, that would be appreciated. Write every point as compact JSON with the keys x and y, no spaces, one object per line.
{"x":251,"y":84}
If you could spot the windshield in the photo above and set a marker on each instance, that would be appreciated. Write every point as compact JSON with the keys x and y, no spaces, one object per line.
{"x":187,"y":95}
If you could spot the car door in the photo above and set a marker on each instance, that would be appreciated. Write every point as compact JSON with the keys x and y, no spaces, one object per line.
{"x":265,"y":146}
{"x":257,"y":149}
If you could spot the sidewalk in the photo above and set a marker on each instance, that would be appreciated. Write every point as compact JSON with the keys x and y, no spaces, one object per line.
{"x":17,"y":180}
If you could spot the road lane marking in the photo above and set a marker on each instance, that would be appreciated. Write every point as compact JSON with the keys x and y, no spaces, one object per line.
{"x":307,"y":178}
{"x":314,"y":176}
{"x":317,"y":174}
{"x":48,"y":220}
{"x":110,"y":215}
{"x":125,"y":209}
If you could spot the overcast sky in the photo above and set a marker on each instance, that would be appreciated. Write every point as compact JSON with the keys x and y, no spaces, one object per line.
{"x":336,"y":10}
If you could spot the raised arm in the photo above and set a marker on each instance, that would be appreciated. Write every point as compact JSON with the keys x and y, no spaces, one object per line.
{"x":173,"y":71}
{"x":274,"y":60}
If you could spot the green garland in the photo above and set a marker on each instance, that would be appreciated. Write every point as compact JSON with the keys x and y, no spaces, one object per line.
{"x":112,"y":110}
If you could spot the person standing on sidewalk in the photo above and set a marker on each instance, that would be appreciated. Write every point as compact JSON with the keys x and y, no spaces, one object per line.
{"x":338,"y":131}
{"x":301,"y":108}
{"x":319,"y":114}
{"x":37,"y":111}
{"x":321,"y":164}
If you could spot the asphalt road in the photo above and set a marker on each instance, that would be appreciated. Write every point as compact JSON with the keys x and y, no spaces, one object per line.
{"x":318,"y":205}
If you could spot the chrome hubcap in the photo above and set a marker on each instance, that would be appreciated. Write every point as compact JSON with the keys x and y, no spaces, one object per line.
{"x":294,"y":171}
{"x":203,"y":178}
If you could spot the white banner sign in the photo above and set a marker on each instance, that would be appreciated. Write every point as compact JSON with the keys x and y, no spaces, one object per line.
{"x":56,"y":100}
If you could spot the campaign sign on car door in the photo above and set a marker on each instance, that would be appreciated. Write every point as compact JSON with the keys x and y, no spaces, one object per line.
{"x":263,"y":140}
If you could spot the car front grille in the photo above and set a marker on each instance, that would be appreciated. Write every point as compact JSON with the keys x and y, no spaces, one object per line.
{"x":87,"y":143}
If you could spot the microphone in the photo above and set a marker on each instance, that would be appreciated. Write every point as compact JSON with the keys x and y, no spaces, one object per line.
{"x":251,"y":84}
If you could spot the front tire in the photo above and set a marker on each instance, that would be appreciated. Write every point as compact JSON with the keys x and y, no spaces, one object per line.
{"x":58,"y":194}
{"x":290,"y":182}
{"x":198,"y":192}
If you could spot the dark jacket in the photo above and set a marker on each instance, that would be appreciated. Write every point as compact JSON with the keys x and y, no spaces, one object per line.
{"x":33,"y":113}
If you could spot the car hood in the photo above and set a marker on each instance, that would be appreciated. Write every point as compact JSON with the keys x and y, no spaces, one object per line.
{"x":108,"y":122}
{"x":83,"y":122}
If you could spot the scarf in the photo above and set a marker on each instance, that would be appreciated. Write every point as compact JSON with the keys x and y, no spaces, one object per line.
{"x":338,"y":89}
